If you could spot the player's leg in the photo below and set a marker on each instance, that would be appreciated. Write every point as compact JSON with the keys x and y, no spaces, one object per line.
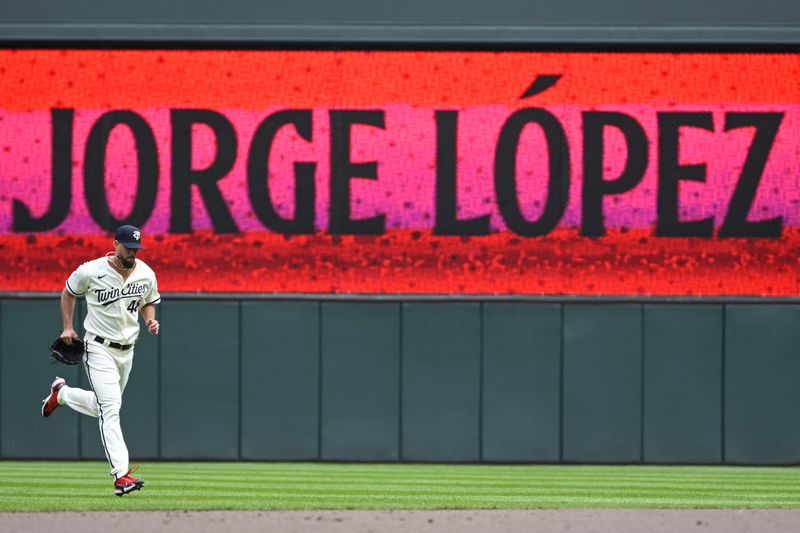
{"x":83,"y":401}
{"x":124,"y":362}
{"x":104,"y":378}
{"x":80,"y":400}
{"x":125,"y":483}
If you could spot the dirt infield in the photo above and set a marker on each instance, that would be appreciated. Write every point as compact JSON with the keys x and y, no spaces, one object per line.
{"x":582,"y":520}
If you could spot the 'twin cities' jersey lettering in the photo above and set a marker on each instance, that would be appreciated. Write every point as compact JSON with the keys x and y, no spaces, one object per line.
{"x":107,"y":296}
{"x":104,"y":295}
{"x":114,"y":303}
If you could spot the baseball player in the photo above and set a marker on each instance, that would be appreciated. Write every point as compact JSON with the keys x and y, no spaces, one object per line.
{"x":117,"y":288}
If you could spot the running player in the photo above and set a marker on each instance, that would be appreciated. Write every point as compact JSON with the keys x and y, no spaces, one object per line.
{"x":117,"y":287}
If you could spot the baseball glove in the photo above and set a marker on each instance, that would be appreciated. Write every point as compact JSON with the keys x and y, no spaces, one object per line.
{"x":65,"y":353}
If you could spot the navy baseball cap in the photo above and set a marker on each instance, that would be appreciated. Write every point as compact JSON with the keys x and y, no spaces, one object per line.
{"x":129,"y":237}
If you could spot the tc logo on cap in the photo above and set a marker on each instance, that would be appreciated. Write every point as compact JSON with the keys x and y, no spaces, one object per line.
{"x":129,"y":237}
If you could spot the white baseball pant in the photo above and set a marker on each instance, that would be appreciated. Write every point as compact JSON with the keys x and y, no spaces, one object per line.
{"x":107,"y":369}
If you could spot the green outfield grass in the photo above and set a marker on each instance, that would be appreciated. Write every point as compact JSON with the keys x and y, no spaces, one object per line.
{"x":84,"y":485}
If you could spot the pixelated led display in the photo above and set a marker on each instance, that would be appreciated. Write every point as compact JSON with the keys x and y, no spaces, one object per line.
{"x":568,"y":173}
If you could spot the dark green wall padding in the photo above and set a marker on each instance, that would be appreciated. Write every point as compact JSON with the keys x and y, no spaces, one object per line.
{"x":280,"y":380}
{"x":521,"y":382}
{"x":602,"y":412}
{"x":762,"y":377}
{"x":454,"y":381}
{"x":359,"y":352}
{"x":683,"y":354}
{"x":440,"y":417}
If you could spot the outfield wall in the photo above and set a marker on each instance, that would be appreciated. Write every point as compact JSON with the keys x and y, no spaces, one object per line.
{"x":460,"y":381}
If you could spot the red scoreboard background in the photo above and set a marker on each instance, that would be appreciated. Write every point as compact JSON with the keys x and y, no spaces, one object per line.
{"x":529,"y":173}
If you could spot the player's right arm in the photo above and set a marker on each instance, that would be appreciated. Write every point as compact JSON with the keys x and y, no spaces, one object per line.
{"x":77,"y":284}
{"x":67,"y":311}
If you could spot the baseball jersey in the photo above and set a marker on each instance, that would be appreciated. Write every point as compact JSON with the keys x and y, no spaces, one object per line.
{"x":113,"y":304}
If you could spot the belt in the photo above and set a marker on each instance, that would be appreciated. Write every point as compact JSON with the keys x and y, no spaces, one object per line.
{"x":112,"y":344}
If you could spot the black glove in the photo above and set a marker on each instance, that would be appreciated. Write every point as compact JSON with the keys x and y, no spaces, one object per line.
{"x":66,"y":353}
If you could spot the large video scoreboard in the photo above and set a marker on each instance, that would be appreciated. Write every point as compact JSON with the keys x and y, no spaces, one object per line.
{"x":443,"y":172}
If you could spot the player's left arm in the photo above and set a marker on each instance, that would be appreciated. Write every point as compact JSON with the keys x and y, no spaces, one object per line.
{"x":148,"y":310}
{"x":149,"y":315}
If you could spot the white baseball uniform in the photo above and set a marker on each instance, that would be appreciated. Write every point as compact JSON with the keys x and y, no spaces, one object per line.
{"x":112,"y":326}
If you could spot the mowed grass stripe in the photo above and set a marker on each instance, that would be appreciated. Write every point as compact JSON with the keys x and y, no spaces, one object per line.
{"x":408,"y":488}
{"x":789,"y":475}
{"x":80,"y":485}
{"x":424,"y":496}
{"x":488,"y":486}
{"x":433,"y":473}
{"x":531,"y":474}
{"x":528,"y":474}
{"x":417,"y":487}
{"x":454,"y":483}
{"x":451,"y":482}
{"x":420,"y":489}
{"x":663,"y":480}
{"x":229,"y":490}
{"x":378,"y":469}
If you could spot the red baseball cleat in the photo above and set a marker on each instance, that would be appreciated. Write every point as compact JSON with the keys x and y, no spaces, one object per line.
{"x":50,"y":403}
{"x":127,"y":483}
